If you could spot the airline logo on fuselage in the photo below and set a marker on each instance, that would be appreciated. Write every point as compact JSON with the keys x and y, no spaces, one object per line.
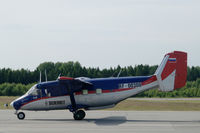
{"x":130,"y":85}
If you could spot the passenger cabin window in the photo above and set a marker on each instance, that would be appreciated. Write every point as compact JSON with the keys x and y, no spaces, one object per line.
{"x":85,"y":92}
{"x":98,"y":91}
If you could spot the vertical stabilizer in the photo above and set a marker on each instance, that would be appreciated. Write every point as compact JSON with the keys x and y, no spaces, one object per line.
{"x":172,"y":73}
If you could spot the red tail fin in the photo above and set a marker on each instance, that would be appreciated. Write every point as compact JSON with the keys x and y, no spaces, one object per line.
{"x":172,"y":73}
{"x":181,"y":68}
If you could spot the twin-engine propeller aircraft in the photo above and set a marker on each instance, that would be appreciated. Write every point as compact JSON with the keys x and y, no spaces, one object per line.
{"x":79,"y":94}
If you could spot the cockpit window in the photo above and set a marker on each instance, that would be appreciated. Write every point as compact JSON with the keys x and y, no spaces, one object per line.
{"x":34,"y":91}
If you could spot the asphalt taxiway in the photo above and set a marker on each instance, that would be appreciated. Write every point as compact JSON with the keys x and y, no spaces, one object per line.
{"x":101,"y":121}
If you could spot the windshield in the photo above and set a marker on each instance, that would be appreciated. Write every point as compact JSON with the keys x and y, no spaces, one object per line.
{"x":34,"y":91}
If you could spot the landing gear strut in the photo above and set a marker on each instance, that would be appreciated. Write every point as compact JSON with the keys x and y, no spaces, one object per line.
{"x":79,"y":115}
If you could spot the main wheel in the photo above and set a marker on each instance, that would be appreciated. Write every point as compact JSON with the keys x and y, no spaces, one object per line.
{"x":79,"y":115}
{"x":20,"y":115}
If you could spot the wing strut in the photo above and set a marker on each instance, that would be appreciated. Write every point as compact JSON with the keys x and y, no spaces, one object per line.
{"x":72,"y":99}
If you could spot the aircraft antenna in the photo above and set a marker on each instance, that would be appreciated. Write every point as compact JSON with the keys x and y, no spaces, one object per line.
{"x":113,"y":74}
{"x":119,"y":73}
{"x":40,"y":77}
{"x":59,"y":76}
{"x":45,"y":72}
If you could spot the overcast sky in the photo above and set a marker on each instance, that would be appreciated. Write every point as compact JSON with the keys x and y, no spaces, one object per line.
{"x":97,"y":33}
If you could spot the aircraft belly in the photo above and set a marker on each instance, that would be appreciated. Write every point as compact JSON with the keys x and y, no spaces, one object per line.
{"x":95,"y":100}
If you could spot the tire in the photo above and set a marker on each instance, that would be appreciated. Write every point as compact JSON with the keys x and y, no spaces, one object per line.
{"x":20,"y":115}
{"x":79,"y":115}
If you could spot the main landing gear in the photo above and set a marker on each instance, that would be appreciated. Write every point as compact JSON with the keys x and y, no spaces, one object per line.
{"x":20,"y":115}
{"x":79,"y":115}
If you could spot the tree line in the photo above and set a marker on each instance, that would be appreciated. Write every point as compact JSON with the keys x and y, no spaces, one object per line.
{"x":74,"y":69}
{"x":191,"y":89}
{"x":17,"y":82}
{"x":70,"y":69}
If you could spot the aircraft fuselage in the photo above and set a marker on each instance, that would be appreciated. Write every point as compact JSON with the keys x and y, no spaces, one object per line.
{"x":105,"y":92}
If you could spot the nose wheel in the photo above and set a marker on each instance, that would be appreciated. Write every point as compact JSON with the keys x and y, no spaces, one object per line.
{"x":20,"y":115}
{"x":79,"y":115}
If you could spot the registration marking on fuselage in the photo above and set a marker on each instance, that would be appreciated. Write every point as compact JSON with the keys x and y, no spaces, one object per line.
{"x":130,"y":85}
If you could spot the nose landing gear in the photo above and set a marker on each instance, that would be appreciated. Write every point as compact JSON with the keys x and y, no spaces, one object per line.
{"x":79,"y":115}
{"x":20,"y":115}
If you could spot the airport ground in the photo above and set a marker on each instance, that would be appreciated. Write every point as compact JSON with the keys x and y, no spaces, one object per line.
{"x":102,"y":121}
{"x":141,"y":115}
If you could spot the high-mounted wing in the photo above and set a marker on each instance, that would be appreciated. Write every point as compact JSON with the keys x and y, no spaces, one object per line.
{"x":73,"y":85}
{"x":77,"y":84}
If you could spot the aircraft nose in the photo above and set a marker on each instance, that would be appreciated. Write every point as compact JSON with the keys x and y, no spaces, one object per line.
{"x":11,"y":104}
{"x":15,"y":105}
